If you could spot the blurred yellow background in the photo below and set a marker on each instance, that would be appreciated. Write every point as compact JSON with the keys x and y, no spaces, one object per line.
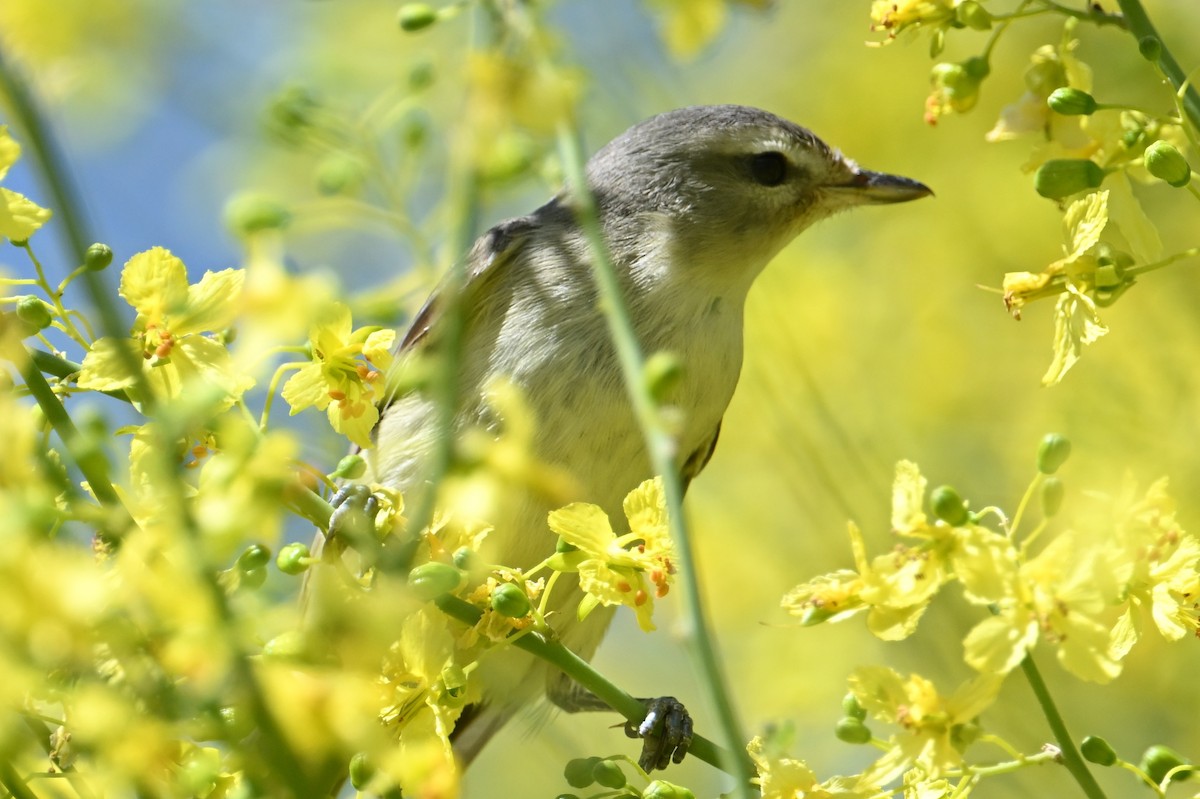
{"x":869,"y":339}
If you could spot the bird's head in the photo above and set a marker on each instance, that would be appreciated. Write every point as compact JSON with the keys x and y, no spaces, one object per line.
{"x":731,"y":185}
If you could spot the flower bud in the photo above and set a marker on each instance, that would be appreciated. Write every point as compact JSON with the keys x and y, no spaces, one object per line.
{"x":291,"y":113}
{"x":97,"y":257}
{"x":361,"y":771}
{"x":1062,"y":177}
{"x":852,"y":731}
{"x":661,"y":374}
{"x":431,"y":580}
{"x":1096,"y":750}
{"x":251,"y":579}
{"x":421,"y":76}
{"x":1166,"y":163}
{"x":608,"y":774}
{"x":339,"y":173}
{"x":285,"y":646}
{"x":1052,"y":495}
{"x":973,"y":15}
{"x":255,"y":556}
{"x":509,"y":600}
{"x":578,"y":771}
{"x":853,"y":708}
{"x":251,"y":213}
{"x":415,"y":16}
{"x":350,"y":467}
{"x":293,"y":558}
{"x":1053,"y":452}
{"x":659,"y":789}
{"x":1150,"y":47}
{"x":34,"y":312}
{"x":1071,"y":102}
{"x":948,"y":506}
{"x":1158,"y":760}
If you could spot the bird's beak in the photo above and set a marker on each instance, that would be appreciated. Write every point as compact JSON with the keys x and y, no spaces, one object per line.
{"x":877,"y":188}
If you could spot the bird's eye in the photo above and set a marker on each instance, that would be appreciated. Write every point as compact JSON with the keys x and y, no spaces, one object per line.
{"x":769,"y":168}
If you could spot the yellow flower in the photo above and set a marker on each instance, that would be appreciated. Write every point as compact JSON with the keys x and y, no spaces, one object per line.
{"x":688,"y":26}
{"x":955,"y":88}
{"x":344,"y":377}
{"x":168,"y":334}
{"x":895,"y":16}
{"x":931,"y":736}
{"x":1051,"y":67}
{"x":1157,"y":566}
{"x":1056,"y":596}
{"x":894,"y":588}
{"x":614,"y":570}
{"x":1076,"y":321}
{"x":19,"y":216}
{"x":981,"y":559}
{"x":785,"y":778}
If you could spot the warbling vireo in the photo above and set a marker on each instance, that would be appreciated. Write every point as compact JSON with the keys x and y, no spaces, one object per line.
{"x":693,"y":203}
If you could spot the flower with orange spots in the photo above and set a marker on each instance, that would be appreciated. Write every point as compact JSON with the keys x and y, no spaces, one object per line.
{"x":344,"y":377}
{"x":630,"y":569}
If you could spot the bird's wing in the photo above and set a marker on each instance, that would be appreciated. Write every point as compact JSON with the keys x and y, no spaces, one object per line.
{"x":489,"y":256}
{"x":699,"y":458}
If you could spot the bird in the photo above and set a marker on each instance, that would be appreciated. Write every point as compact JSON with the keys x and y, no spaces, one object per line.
{"x":692,"y":203}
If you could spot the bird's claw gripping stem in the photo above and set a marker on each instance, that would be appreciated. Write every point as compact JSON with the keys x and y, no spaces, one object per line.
{"x":666,"y":733}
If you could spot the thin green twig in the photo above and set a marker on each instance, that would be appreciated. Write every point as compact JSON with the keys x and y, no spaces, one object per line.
{"x":1066,"y":744}
{"x":582,"y":672}
{"x":69,"y":207}
{"x":1142,"y":29}
{"x":11,"y":780}
{"x":662,"y":450}
{"x":90,"y":460}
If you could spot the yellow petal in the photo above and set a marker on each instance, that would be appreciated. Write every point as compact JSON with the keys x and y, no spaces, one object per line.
{"x":1076,"y":324}
{"x":211,"y":303}
{"x":20,"y":217}
{"x":10,"y":151}
{"x":154,"y":282}
{"x":104,"y":366}
{"x":1084,"y":221}
{"x":583,"y":525}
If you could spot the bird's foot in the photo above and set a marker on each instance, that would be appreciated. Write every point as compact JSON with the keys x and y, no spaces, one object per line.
{"x":354,"y":509}
{"x":666,"y":733}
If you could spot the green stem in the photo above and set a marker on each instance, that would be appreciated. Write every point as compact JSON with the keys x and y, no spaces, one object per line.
{"x":68,"y":206}
{"x":91,"y":461}
{"x":662,"y":450}
{"x":273,"y":767}
{"x":1093,"y":14}
{"x":1142,"y":28}
{"x":581,"y":671}
{"x":62,"y":368}
{"x":1066,"y":744}
{"x":11,"y":780}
